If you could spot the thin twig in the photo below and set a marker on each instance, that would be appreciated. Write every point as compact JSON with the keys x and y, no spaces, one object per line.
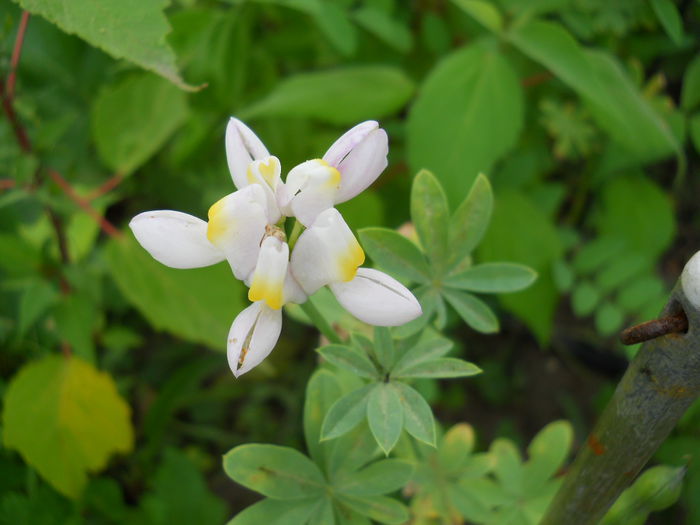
{"x":536,"y":79}
{"x":84,"y":204}
{"x":106,"y":187}
{"x":17,"y":128}
{"x":16,"y":54}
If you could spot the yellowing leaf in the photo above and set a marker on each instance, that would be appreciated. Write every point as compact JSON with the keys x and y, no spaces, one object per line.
{"x":66,"y":419}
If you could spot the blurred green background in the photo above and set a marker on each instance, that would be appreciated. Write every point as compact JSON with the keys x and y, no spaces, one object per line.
{"x":584,"y":114}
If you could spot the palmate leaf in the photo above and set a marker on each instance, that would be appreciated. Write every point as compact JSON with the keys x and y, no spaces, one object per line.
{"x":417,"y":414}
{"x":131,"y":29}
{"x":350,"y":358}
{"x":346,"y":413}
{"x":274,"y":471}
{"x":396,"y":254}
{"x":493,"y":278}
{"x":378,"y":508}
{"x":442,"y":367}
{"x":380,"y":477}
{"x":473,"y":311}
{"x":385,"y":415}
{"x":470,"y":220}
{"x":66,"y":419}
{"x":421,"y":352}
{"x":276,"y":512}
{"x":431,"y":217}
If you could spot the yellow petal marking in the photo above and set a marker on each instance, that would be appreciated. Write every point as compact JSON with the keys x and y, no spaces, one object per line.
{"x":351,"y":260}
{"x":263,"y":289}
{"x":269,"y":170}
{"x":217,"y":221}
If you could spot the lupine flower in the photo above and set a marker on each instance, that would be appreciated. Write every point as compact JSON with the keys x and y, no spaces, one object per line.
{"x":245,"y":228}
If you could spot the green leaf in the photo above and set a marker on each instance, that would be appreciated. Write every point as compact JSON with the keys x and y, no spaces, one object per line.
{"x":473,"y":311}
{"x":322,"y":391}
{"x":66,"y":419}
{"x":181,"y":495}
{"x":386,"y":28}
{"x":331,"y":19}
{"x":640,"y":212}
{"x":324,"y":513}
{"x":507,"y":465}
{"x":521,"y":232}
{"x":443,"y":367}
{"x":349,"y":358}
{"x":395,"y":253}
{"x":384,"y":347}
{"x":617,"y":104}
{"x":274,"y":471}
{"x":75,"y":318}
{"x":584,"y":298}
{"x":380,"y":477}
{"x":547,"y":451}
{"x":454,"y":452}
{"x":378,"y":508}
{"x":670,"y":19}
{"x":468,"y":114}
{"x":431,"y":215}
{"x":385,"y":416}
{"x":417,"y":416}
{"x":695,"y":131}
{"x":129,"y":29}
{"x":608,"y":319}
{"x":471,"y":220}
{"x":36,"y":299}
{"x":483,"y":12}
{"x":421,"y":352}
{"x":340,"y":96}
{"x":690,"y":95}
{"x":276,"y":512}
{"x":346,"y":413}
{"x":493,"y":278}
{"x":198,"y":304}
{"x":134,"y":118}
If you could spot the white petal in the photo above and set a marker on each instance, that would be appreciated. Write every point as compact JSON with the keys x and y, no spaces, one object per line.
{"x":325,"y":253}
{"x":270,"y":273}
{"x":242,"y":147}
{"x":360,"y":155}
{"x":348,"y":140}
{"x":175,"y":239}
{"x":310,"y":188}
{"x":237,"y":225}
{"x":292,"y":290}
{"x":690,"y":280}
{"x":378,"y":299}
{"x":266,"y":172}
{"x":252,"y":337}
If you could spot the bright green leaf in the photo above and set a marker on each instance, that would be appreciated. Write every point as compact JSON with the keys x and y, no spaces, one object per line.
{"x":129,"y":29}
{"x":66,"y":419}
{"x":507,"y":465}
{"x":198,"y":304}
{"x":322,"y":391}
{"x":431,"y":215}
{"x":36,"y":299}
{"x":274,"y":471}
{"x":385,"y":416}
{"x":350,"y":358}
{"x":468,"y":114}
{"x":133,"y":119}
{"x":380,"y":477}
{"x":547,"y":451}
{"x":384,"y":347}
{"x":473,"y":311}
{"x":340,"y":96}
{"x":422,"y":351}
{"x":493,"y":278}
{"x":695,"y":131}
{"x":584,"y":298}
{"x":346,"y":413}
{"x":471,"y":220}
{"x":608,"y":318}
{"x":395,"y":253}
{"x":417,"y":416}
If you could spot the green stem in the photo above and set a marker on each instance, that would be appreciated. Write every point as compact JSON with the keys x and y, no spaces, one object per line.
{"x":320,"y":322}
{"x":296,"y":231}
{"x":660,"y":384}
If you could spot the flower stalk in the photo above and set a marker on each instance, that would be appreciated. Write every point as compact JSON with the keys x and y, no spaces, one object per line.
{"x":660,"y":384}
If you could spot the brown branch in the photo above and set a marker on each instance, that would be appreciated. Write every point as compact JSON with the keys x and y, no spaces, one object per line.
{"x":536,"y":79}
{"x":106,"y":187}
{"x":84,"y":204}
{"x":16,"y":54}
{"x":17,"y":128}
{"x":671,"y":324}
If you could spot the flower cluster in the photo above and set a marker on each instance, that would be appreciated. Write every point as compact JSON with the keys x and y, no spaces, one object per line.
{"x":247,"y":228}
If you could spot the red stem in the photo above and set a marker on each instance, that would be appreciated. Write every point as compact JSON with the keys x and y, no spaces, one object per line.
{"x":16,"y":54}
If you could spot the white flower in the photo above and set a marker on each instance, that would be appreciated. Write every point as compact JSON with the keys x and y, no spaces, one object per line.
{"x":243,"y":228}
{"x":328,"y":254}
